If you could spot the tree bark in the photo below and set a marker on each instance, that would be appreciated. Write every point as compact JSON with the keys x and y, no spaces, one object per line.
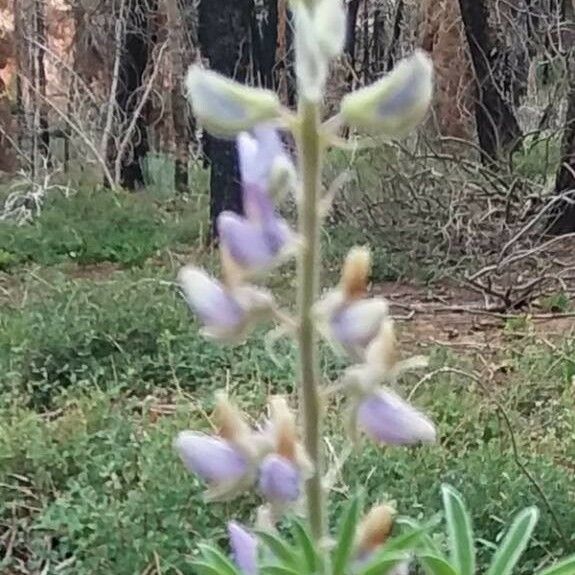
{"x":497,"y":127}
{"x":133,"y":64}
{"x":564,"y":217}
{"x":264,"y":40}
{"x":224,"y":32}
{"x":41,"y":136}
{"x":7,"y":159}
{"x":350,"y":32}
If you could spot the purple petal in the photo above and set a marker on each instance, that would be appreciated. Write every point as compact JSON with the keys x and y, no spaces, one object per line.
{"x":252,"y":245}
{"x":214,"y":306}
{"x":257,"y":204}
{"x":387,"y":418}
{"x":257,"y":153}
{"x":279,"y":480}
{"x":358,"y":323}
{"x":213,"y":459}
{"x":244,"y":548}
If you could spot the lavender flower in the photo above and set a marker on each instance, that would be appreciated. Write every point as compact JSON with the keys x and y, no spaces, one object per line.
{"x":386,"y":418}
{"x":286,"y":464}
{"x":355,"y":325}
{"x":348,"y":320}
{"x":262,"y":238}
{"x":225,"y":313}
{"x":214,"y":460}
{"x":244,"y":548}
{"x":279,"y":479}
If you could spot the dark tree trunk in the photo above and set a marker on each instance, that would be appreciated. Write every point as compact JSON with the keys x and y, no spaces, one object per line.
{"x":264,"y":43}
{"x":350,"y":32}
{"x":44,"y":135}
{"x":181,"y":116}
{"x":395,"y":34}
{"x":224,"y":33}
{"x":378,"y":42}
{"x":133,"y":63}
{"x":497,"y":127}
{"x":564,"y":217}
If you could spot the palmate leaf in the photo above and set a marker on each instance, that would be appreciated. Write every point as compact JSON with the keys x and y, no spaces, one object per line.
{"x":214,"y":557}
{"x":305,"y":545}
{"x":205,"y":568}
{"x":383,"y":563}
{"x":514,"y":543}
{"x":565,"y":567}
{"x":283,"y":551}
{"x":459,"y":530}
{"x":435,"y":564}
{"x":346,"y":536}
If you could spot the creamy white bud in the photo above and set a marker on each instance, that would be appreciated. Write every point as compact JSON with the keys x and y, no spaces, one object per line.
{"x":394,"y":105}
{"x":225,"y":107}
{"x":311,"y":62}
{"x":330,"y":25}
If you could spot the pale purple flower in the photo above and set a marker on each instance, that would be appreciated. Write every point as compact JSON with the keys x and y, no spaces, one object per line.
{"x":279,"y":479}
{"x":257,"y":240}
{"x":217,"y":309}
{"x":354,"y":325}
{"x":252,"y":245}
{"x":244,"y":548}
{"x":386,"y":418}
{"x":214,"y":460}
{"x":257,"y":154}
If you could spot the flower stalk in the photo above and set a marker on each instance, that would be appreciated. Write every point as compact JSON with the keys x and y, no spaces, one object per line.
{"x":310,"y":154}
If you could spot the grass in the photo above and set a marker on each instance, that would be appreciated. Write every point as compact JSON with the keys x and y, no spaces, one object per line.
{"x":100,"y":367}
{"x":100,"y":226}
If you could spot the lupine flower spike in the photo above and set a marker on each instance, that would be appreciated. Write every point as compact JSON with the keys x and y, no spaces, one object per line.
{"x":227,"y":313}
{"x":348,"y":319}
{"x":261,"y":238}
{"x":226,"y":462}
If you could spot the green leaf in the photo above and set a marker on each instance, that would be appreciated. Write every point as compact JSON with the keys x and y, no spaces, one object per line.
{"x":406,"y":540}
{"x":459,"y":531}
{"x":565,"y":567}
{"x":346,"y":536}
{"x":278,"y":570}
{"x":426,"y":541}
{"x":436,"y":565}
{"x":306,"y":546}
{"x":215,"y":557}
{"x":514,"y":543}
{"x":383,"y":563}
{"x":281,"y":549}
{"x":203,"y":568}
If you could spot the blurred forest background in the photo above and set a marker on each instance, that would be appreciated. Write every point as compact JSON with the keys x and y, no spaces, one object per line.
{"x":108,"y":185}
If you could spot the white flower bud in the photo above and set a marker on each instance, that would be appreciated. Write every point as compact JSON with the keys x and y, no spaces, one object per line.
{"x":225,"y":107}
{"x":330,"y":23}
{"x":311,"y":62}
{"x":394,"y":105}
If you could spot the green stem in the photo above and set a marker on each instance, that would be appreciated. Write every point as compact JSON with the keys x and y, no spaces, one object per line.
{"x":310,"y":149}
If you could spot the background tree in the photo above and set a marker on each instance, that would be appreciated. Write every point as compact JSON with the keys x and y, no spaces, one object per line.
{"x":564,"y":222}
{"x":137,"y":44}
{"x":224,"y":29}
{"x":497,"y":127}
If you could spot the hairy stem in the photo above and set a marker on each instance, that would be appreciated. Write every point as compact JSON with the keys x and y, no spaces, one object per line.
{"x":310,"y":150}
